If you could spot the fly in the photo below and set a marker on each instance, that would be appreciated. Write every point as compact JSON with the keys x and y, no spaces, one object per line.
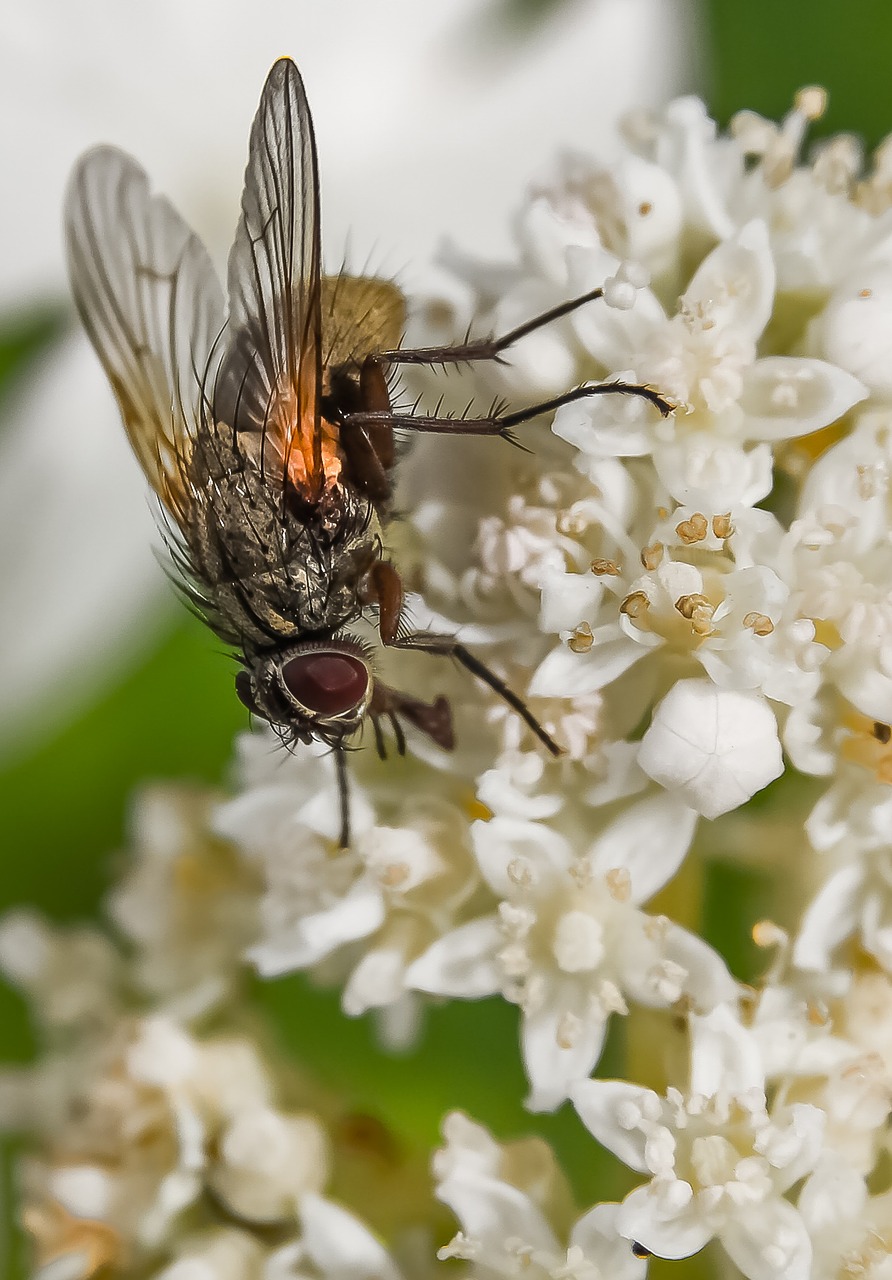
{"x":264,"y":425}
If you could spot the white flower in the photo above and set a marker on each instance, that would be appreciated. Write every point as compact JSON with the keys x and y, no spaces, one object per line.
{"x":368,"y":910}
{"x":569,"y":943}
{"x":714,"y":748}
{"x":505,"y":1229}
{"x":849,"y":1227}
{"x":72,"y":976}
{"x":840,"y":570}
{"x":705,"y":359}
{"x":133,"y":1128}
{"x":187,"y":903}
{"x":711,"y":598}
{"x":719,"y":1160}
{"x":332,"y":1244}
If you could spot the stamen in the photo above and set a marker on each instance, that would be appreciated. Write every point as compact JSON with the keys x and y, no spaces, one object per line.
{"x":652,"y":555}
{"x":635,"y":606}
{"x":582,"y":639}
{"x":694,"y":529}
{"x":759,"y":623}
{"x":605,"y":567}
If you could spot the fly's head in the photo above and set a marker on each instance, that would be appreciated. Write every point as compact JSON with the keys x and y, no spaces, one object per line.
{"x":312,"y":689}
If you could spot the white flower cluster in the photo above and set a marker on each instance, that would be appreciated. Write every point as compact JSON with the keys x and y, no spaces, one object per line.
{"x":155,"y":1149}
{"x":695,"y":607}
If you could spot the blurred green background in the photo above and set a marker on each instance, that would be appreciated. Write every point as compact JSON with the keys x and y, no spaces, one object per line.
{"x":65,"y":802}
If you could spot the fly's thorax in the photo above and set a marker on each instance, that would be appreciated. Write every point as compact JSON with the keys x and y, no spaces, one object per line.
{"x":318,"y":688}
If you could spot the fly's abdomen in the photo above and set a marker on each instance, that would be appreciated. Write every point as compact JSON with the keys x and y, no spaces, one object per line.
{"x":268,"y":574}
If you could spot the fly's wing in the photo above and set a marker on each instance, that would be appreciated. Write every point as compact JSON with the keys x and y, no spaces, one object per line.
{"x":270,"y":382}
{"x":361,"y":315}
{"x":153,"y":308}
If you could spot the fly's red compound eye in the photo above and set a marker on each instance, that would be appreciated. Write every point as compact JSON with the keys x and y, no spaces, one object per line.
{"x":326,"y":683}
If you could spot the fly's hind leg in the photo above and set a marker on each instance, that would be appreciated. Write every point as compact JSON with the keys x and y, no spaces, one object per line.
{"x":386,"y":589}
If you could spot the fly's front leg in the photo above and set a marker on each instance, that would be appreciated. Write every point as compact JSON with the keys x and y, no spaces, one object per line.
{"x":486,"y":348}
{"x":385,"y":582}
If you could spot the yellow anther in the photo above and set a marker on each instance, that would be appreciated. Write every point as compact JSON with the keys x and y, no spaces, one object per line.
{"x":652,"y":555}
{"x":759,"y":623}
{"x":604,"y":568}
{"x":693,"y":530}
{"x":582,"y":639}
{"x":635,"y":605}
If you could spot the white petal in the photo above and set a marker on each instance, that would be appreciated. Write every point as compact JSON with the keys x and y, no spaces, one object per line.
{"x":643,"y":1218}
{"x":597,"y":1236}
{"x":545,"y":238}
{"x":340,"y":1246}
{"x":704,"y":473}
{"x":831,"y":917}
{"x":806,"y":1129}
{"x":595,"y":434}
{"x":647,"y":204}
{"x":649,"y":839}
{"x":608,"y":334}
{"x":565,"y":674}
{"x":378,"y":980}
{"x":767,"y":1241}
{"x":785,"y":397}
{"x":501,"y":841}
{"x":869,"y":690}
{"x":359,"y":913}
{"x":725,"y":1055}
{"x":568,"y":599}
{"x":833,"y":1196}
{"x":686,"y":147}
{"x":708,"y":981}
{"x":714,"y":748}
{"x":612,"y":1110}
{"x":620,"y":775}
{"x":461,"y":963}
{"x":735,"y":283}
{"x":492,"y":1211}
{"x":553,"y":1069}
{"x":855,"y":327}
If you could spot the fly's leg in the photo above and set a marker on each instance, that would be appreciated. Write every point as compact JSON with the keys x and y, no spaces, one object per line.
{"x":486,"y":348}
{"x":498,"y":422}
{"x":340,"y":756}
{"x":386,"y":588}
{"x":245,"y":694}
{"x":378,"y":415}
{"x":369,"y":448}
{"x":432,"y":718}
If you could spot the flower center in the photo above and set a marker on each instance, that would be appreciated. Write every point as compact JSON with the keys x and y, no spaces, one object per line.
{"x":698,"y":362}
{"x":578,"y":944}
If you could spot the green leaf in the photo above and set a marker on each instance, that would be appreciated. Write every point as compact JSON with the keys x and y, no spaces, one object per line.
{"x":24,"y":336}
{"x":65,"y":806}
{"x":467,"y":1059}
{"x":758,"y":53}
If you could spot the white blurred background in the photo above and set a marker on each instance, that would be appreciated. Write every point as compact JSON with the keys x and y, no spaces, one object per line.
{"x":431,"y":116}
